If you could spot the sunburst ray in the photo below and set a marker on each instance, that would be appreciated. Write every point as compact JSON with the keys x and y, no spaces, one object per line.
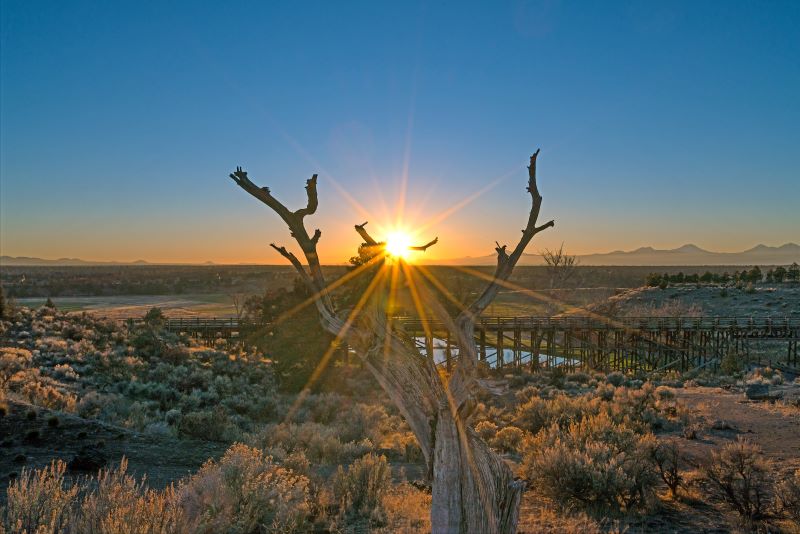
{"x":329,"y":288}
{"x":461,"y":429}
{"x":447,"y":212}
{"x":323,"y":362}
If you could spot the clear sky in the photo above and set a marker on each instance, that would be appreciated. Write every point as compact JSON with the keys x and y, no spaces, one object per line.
{"x":660,"y":123}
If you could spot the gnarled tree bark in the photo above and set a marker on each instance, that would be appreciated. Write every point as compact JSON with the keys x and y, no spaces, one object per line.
{"x":473,"y":490}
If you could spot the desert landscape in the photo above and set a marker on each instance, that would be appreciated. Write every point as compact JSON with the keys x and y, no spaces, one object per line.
{"x":519,"y":266}
{"x":106,"y":418}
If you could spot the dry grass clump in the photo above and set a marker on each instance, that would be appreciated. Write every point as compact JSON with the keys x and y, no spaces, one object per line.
{"x":646,"y":408}
{"x":508,"y":439}
{"x":360,"y":489}
{"x":670,"y":308}
{"x":538,"y":413}
{"x":765,"y":375}
{"x":39,"y":501}
{"x":319,"y":443}
{"x":118,"y":503}
{"x":595,"y":464}
{"x":42,"y":501}
{"x":245,"y":492}
{"x":548,"y":521}
{"x":408,"y":510}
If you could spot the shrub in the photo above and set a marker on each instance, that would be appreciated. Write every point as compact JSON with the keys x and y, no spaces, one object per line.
{"x":508,"y":439}
{"x":731,"y":363}
{"x":549,"y":521}
{"x":173,"y":417}
{"x":403,"y":445}
{"x":118,"y":503}
{"x":594,"y":463}
{"x":539,"y":413}
{"x":13,"y":361}
{"x":38,"y":500}
{"x":319,"y":442}
{"x":739,"y":475}
{"x":616,"y":378}
{"x":360,"y":490}
{"x":788,"y":492}
{"x":297,"y":462}
{"x":639,"y":408}
{"x":209,"y":425}
{"x":691,"y":431}
{"x":665,"y":393}
{"x":579,"y":377}
{"x":243,"y":492}
{"x":486,"y":430}
{"x":408,"y":510}
{"x":765,"y":375}
{"x":667,"y":456}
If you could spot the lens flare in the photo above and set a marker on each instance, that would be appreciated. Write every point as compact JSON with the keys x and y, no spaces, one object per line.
{"x":398,"y":244}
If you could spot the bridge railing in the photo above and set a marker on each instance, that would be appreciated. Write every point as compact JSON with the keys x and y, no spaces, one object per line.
{"x":626,"y":323}
{"x":533,"y":322}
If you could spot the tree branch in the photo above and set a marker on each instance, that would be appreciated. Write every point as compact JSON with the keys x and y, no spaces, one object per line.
{"x":506,"y":262}
{"x":295,"y":221}
{"x":261,"y":193}
{"x":313,"y":201}
{"x":368,"y":239}
{"x":426,"y":246}
{"x":297,"y":265}
{"x":463,"y":384}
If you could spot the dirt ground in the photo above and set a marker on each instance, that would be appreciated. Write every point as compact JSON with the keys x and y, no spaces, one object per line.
{"x":35,"y":442}
{"x":124,"y":307}
{"x":774,"y":428}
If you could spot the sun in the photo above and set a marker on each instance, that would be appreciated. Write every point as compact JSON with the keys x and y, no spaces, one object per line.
{"x":398,"y":244}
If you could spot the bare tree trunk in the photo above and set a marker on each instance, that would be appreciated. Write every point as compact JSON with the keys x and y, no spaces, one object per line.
{"x":473,"y":489}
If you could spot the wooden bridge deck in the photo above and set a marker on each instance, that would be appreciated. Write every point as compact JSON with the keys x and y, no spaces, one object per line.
{"x":625,"y":344}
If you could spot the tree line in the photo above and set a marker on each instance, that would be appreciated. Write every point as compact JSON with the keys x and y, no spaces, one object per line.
{"x":778,"y":274}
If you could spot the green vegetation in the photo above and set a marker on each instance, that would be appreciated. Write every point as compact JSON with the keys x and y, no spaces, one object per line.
{"x":754,"y":275}
{"x":595,"y":447}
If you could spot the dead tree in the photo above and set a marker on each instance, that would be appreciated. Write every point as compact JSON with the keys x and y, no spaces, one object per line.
{"x":560,"y":266}
{"x":473,"y":490}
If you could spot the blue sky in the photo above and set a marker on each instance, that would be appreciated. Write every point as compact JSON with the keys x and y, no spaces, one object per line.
{"x":660,"y":123}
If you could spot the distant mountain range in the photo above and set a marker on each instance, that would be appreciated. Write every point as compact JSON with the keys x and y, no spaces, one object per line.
{"x":12,"y":261}
{"x":687,"y":255}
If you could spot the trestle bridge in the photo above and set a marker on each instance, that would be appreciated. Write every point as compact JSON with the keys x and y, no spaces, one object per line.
{"x":574,"y":343}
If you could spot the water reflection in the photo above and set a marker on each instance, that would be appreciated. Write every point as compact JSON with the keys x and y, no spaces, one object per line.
{"x":439,"y":347}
